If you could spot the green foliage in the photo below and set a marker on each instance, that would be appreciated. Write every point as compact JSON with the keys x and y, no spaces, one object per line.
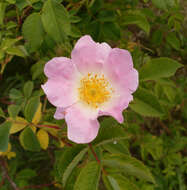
{"x":128,"y":165}
{"x":28,"y":140}
{"x":55,"y":20}
{"x":33,"y":31}
{"x":31,"y":108}
{"x":146,"y":104}
{"x":159,"y":68}
{"x":145,"y":152}
{"x":88,"y":178}
{"x":4,"y":136}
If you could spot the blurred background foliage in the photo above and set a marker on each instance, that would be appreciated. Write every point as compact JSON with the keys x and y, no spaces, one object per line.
{"x":148,"y":151}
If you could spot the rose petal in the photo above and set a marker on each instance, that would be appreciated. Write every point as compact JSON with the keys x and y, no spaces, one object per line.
{"x":59,"y":67}
{"x":116,"y":106}
{"x":81,"y":128}
{"x":119,"y":63}
{"x":130,"y":80}
{"x":89,"y":56}
{"x":84,"y":41}
{"x":60,"y":92}
{"x":59,"y":114}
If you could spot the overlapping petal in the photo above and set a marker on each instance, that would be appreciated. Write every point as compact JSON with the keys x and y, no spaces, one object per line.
{"x":117,"y":105}
{"x":60,"y":113}
{"x":89,"y":56}
{"x":60,"y":92}
{"x":81,"y":128}
{"x":59,"y":67}
{"x":119,"y":68}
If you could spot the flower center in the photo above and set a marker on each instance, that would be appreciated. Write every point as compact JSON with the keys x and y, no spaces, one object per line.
{"x":94,"y":90}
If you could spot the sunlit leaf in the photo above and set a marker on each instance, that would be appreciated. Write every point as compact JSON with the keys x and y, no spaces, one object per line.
{"x":18,"y":124}
{"x":43,"y":138}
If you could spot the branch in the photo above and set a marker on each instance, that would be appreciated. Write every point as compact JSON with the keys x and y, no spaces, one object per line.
{"x":164,"y":127}
{"x":95,"y":155}
{"x":5,"y":173}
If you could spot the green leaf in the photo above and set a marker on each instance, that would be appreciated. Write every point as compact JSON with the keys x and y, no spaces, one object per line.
{"x":56,"y":20}
{"x":2,"y":12}
{"x":2,"y":113}
{"x":4,"y":136}
{"x":31,"y":108}
{"x":16,"y":51}
{"x":117,"y":147}
{"x":157,"y":37}
{"x":106,"y":16}
{"x":124,"y":183}
{"x":89,"y":176}
{"x":110,"y":30}
{"x":110,"y":131}
{"x":66,"y":158}
{"x":13,"y":110}
{"x":129,"y":165}
{"x":146,"y":104}
{"x":15,"y":94}
{"x":160,"y":4}
{"x":114,"y":184}
{"x":172,"y":39}
{"x":108,"y":184}
{"x":29,"y":140}
{"x":72,"y":178}
{"x":33,"y":31}
{"x":28,"y":88}
{"x":37,"y":69}
{"x":26,"y":174}
{"x":118,"y":182}
{"x":72,"y":165}
{"x":139,"y":19}
{"x":158,"y":68}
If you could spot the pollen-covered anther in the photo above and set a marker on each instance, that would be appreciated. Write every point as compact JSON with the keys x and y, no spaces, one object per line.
{"x":95,"y":90}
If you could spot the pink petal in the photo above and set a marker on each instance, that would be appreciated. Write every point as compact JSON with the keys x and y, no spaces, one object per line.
{"x":84,"y":41}
{"x":130,"y":80}
{"x":119,"y":68}
{"x":119,"y":63}
{"x":89,"y":56}
{"x":59,"y":114}
{"x":118,"y":104}
{"x":60,"y":92}
{"x":81,"y":129}
{"x":59,"y":67}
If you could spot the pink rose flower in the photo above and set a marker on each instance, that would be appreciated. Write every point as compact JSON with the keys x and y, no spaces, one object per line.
{"x":97,"y":80}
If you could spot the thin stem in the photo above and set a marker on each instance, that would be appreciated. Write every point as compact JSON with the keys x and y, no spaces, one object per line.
{"x":94,"y":154}
{"x":96,"y":157}
{"x":66,"y":143}
{"x":5,"y":173}
{"x":44,"y":104}
{"x":49,"y":126}
{"x":164,"y":127}
{"x":24,"y":123}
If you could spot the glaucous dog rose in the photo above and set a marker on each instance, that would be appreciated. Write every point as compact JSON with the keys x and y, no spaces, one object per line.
{"x":98,"y":80}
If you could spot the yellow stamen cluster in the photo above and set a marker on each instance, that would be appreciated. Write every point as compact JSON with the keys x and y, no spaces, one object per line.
{"x":94,"y":90}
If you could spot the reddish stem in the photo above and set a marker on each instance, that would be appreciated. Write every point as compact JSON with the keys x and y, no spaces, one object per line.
{"x":6,"y":175}
{"x":49,"y":126}
{"x":66,"y":143}
{"x":93,"y":152}
{"x":97,"y":159}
